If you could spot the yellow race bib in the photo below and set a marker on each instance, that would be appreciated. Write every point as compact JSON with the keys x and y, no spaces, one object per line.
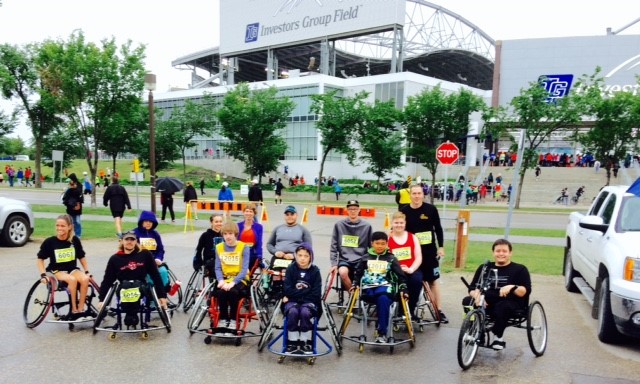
{"x":65,"y":255}
{"x":148,"y":243}
{"x":424,"y":237}
{"x":403,"y":253}
{"x":350,"y":241}
{"x":130,"y":295}
{"x":229,"y":258}
{"x":377,"y":266}
{"x":281,"y":263}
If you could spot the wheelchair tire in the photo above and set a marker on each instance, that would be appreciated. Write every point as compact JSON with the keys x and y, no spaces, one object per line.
{"x":162,"y":312}
{"x":537,"y":328}
{"x":200,"y":309}
{"x":429,"y":299}
{"x":102,"y":313}
{"x":260,"y":305}
{"x":268,"y":332}
{"x":191,"y":289}
{"x":468,"y":339}
{"x":333,"y":330}
{"x":37,"y":304}
{"x":328,"y":285}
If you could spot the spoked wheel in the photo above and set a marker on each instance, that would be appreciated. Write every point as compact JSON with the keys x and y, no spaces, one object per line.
{"x":537,"y":328}
{"x":37,"y":304}
{"x":261,"y":305}
{"x":328,"y":285}
{"x":200,"y":309}
{"x":175,"y":300}
{"x":104,"y":310}
{"x":430,"y":303}
{"x":191,"y":290}
{"x":333,"y":330}
{"x":350,"y":308}
{"x":276,"y":317}
{"x":468,"y":338}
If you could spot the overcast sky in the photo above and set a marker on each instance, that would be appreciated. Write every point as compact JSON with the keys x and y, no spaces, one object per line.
{"x":171,"y":29}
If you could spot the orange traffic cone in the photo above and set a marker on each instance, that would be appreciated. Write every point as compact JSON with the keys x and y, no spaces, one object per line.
{"x":387,"y":222}
{"x":305,"y":216}
{"x":264,"y":217}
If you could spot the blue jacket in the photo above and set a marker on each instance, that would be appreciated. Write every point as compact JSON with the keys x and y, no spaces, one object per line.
{"x":225,"y":194}
{"x":150,"y":239}
{"x":256,"y":250}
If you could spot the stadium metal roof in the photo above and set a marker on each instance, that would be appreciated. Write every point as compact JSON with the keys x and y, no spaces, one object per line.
{"x":437,"y":43}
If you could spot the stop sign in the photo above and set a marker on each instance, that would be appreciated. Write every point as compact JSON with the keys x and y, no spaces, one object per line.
{"x":447,"y":153}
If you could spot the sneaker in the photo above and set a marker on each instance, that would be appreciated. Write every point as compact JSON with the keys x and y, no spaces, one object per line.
{"x":443,"y":318}
{"x":291,"y":347}
{"x":381,"y":339}
{"x":498,"y":345}
{"x":307,"y":349}
{"x":231,"y":325}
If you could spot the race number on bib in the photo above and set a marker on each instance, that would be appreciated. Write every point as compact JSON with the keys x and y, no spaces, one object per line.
{"x":230,"y":258}
{"x":424,"y":238}
{"x":350,"y":241}
{"x":281,"y":263}
{"x":65,"y":255}
{"x":377,"y":266}
{"x":130,"y":295}
{"x":148,"y":243}
{"x":403,"y":253}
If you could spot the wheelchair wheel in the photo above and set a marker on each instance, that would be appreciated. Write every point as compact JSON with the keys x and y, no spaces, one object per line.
{"x":200,"y":309}
{"x":276,"y":317}
{"x":333,"y":330}
{"x":472,"y":327}
{"x":353,"y":303}
{"x":175,"y":300}
{"x":260,"y":305}
{"x":37,"y":304}
{"x":162,"y":312}
{"x":102,"y":313}
{"x":428,"y":304}
{"x":191,"y":291}
{"x":537,"y":328}
{"x":328,"y":285}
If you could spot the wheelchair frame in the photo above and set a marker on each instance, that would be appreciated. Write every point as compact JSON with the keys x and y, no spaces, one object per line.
{"x":427,"y":311}
{"x":395,"y":320}
{"x":144,"y":315}
{"x":476,"y":326}
{"x":173,"y":301}
{"x":206,"y":305}
{"x":54,"y":296}
{"x":333,"y":282}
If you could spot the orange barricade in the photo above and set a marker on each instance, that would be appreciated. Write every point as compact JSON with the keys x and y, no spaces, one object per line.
{"x":342,"y":211}
{"x":221,"y":206}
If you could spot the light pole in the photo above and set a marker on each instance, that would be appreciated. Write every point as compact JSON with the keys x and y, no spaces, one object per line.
{"x":150,"y":85}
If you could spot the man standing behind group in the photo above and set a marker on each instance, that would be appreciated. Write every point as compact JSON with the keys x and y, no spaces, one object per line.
{"x":255,"y":192}
{"x":350,"y":241}
{"x":286,"y":237}
{"x":423,"y":221}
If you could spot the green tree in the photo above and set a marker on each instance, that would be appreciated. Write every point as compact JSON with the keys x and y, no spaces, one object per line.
{"x":433,"y":117}
{"x":58,"y":140}
{"x":340,"y":117}
{"x":167,"y":149}
{"x":379,"y":138}
{"x":252,"y":120}
{"x":7,"y":124}
{"x":539,"y":117}
{"x":124,"y":126}
{"x":22,"y":79}
{"x":191,"y":120}
{"x":617,"y":118}
{"x":92,"y":83}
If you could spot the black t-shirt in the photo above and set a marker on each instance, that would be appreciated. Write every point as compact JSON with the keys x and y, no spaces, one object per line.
{"x":134,"y":266}
{"x":424,"y":222}
{"x":62,"y":254}
{"x":512,"y":273}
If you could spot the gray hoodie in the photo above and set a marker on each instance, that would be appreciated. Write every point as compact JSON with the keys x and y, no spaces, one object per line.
{"x":350,"y":241}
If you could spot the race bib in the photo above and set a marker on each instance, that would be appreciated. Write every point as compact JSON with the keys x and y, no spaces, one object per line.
{"x":65,"y":255}
{"x":424,"y":237}
{"x":403,"y":253}
{"x":148,"y":243}
{"x":281,"y":263}
{"x":130,"y":295}
{"x":377,"y":266}
{"x":230,"y":258}
{"x":350,"y":241}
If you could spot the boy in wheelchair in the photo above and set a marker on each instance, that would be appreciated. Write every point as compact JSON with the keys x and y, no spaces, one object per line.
{"x":509,"y":292}
{"x":380,"y":277}
{"x":130,"y":266}
{"x":302,"y":295}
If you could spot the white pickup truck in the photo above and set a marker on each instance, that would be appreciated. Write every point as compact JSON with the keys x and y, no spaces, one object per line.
{"x":602,"y":260}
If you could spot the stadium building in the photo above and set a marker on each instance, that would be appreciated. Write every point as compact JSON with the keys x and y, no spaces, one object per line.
{"x":392,"y":49}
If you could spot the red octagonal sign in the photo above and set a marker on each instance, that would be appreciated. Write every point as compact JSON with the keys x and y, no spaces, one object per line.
{"x":447,"y":153}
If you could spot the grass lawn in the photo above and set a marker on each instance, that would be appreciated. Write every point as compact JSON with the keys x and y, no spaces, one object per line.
{"x":92,"y":229}
{"x":555,"y":233}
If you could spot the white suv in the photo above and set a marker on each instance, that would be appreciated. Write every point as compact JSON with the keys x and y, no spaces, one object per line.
{"x":16,"y":222}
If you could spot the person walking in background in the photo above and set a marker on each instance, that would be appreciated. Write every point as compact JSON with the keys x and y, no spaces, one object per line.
{"x":202,"y":186}
{"x":191,"y":197}
{"x":255,"y":192}
{"x":338,"y":189}
{"x":73,"y":200}
{"x":117,"y":199}
{"x":87,"y":184}
{"x":225,"y":193}
{"x":166,"y":200}
{"x":27,"y":176}
{"x":20,"y":176}
{"x":538,"y":172}
{"x":278,"y":189}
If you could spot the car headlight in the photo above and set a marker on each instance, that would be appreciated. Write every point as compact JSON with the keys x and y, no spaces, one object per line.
{"x":631,"y":270}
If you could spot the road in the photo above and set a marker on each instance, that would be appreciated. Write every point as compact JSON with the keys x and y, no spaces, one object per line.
{"x":52,"y":353}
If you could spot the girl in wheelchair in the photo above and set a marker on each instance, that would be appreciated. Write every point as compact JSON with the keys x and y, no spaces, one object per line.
{"x":302,"y":295}
{"x":130,"y":266}
{"x":232,"y":274}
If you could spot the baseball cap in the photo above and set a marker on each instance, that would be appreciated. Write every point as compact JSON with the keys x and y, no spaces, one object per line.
{"x":129,"y":235}
{"x":290,"y":208}
{"x":353,"y":203}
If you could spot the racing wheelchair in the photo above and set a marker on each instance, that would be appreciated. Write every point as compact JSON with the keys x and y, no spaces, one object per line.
{"x":399,"y":317}
{"x":477,"y":324}
{"x":426,"y":311}
{"x":333,"y":283}
{"x":127,"y":308}
{"x":54,"y":296}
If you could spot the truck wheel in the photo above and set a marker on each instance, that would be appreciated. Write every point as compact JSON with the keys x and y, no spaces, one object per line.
{"x":607,"y":331}
{"x":569,"y":272}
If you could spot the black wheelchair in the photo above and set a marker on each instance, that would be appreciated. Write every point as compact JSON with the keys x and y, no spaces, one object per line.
{"x":128,"y":307}
{"x":54,"y":296}
{"x":477,"y":324}
{"x":399,"y":318}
